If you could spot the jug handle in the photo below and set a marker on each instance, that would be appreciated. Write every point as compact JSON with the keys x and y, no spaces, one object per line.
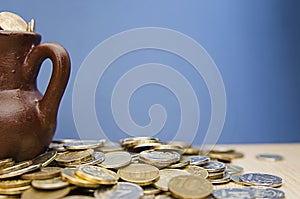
{"x":49,"y":104}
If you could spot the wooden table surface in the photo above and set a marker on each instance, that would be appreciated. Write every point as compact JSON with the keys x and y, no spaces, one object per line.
{"x":288,"y":169}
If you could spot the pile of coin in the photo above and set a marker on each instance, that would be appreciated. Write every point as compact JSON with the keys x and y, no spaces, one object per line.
{"x":13,"y":22}
{"x":140,"y":167}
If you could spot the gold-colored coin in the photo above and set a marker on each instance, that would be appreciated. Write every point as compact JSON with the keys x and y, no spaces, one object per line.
{"x":110,"y":147}
{"x":222,"y":149}
{"x":53,"y":183}
{"x":68,"y":174}
{"x":3,"y":162}
{"x":141,"y":174}
{"x":73,"y":156}
{"x":13,"y":183}
{"x":196,"y":170}
{"x":165,"y":195}
{"x":97,"y":158}
{"x":181,"y":164}
{"x":12,"y":22}
{"x":180,"y":143}
{"x":190,"y":186}
{"x":15,"y":167}
{"x":226,"y":156}
{"x":97,"y":174}
{"x":226,"y":178}
{"x":78,"y":197}
{"x":45,"y":158}
{"x":134,"y":141}
{"x":21,"y":171}
{"x":84,"y":144}
{"x":115,"y":160}
{"x":30,"y":26}
{"x":8,"y":164}
{"x":166,"y":175}
{"x":191,"y":151}
{"x":14,"y":191}
{"x":216,"y":175}
{"x":151,"y":190}
{"x":44,"y":173}
{"x":166,"y":147}
{"x":41,"y":194}
{"x":144,"y":146}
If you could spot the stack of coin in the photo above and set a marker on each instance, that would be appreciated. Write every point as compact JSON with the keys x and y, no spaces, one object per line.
{"x":79,"y":152}
{"x":224,"y":154}
{"x":217,"y":173}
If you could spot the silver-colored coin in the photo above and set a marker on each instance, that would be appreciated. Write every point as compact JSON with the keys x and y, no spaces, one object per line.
{"x":234,"y":169}
{"x":124,"y":190}
{"x":78,"y":197}
{"x":117,"y":159}
{"x":261,"y":179}
{"x":159,"y":158}
{"x":214,"y":166}
{"x":266,"y":192}
{"x":84,"y":144}
{"x":269,"y":157}
{"x":197,"y":159}
{"x":59,"y":147}
{"x":232,"y":193}
{"x":236,"y":179}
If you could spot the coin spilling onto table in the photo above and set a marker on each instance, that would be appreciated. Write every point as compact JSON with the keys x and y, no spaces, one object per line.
{"x":133,"y":168}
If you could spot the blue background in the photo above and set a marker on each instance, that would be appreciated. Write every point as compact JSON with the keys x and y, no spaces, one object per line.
{"x":254,"y":43}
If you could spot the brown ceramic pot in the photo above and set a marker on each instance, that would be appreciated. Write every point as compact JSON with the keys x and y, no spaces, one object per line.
{"x":27,"y":118}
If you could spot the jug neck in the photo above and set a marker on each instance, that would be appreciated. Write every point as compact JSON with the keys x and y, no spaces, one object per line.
{"x":14,"y":47}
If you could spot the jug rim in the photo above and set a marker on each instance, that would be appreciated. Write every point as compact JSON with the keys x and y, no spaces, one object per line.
{"x":15,"y":32}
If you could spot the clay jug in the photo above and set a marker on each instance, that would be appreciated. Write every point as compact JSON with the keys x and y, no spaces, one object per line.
{"x":27,"y":118}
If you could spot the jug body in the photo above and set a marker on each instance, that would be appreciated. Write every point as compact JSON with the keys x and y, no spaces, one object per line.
{"x":27,"y":118}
